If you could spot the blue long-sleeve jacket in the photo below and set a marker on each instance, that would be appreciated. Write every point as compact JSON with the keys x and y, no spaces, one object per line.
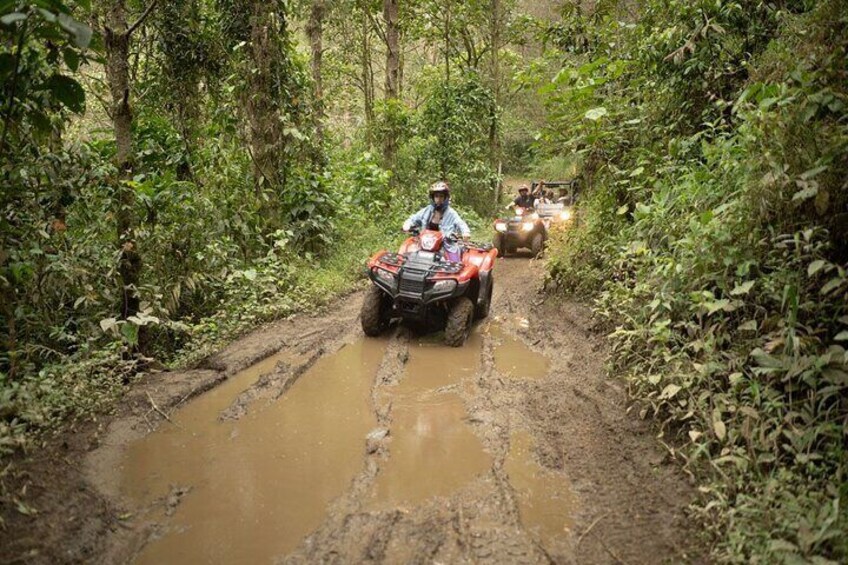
{"x":451,"y":223}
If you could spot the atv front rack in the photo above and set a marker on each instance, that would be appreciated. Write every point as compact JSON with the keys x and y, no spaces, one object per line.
{"x":479,"y":246}
{"x":400,"y":260}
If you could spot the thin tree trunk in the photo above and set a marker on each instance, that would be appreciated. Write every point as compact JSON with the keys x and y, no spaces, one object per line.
{"x":494,"y":138}
{"x":367,"y":78}
{"x":266,"y":139}
{"x":117,"y":40}
{"x":390,"y":14}
{"x":315,"y":31}
{"x":447,"y":41}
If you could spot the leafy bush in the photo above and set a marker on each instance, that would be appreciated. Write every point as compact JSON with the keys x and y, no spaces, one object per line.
{"x":713,"y":242}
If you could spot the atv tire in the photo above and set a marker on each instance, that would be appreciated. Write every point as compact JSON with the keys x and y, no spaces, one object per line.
{"x":376,"y":312}
{"x":481,"y":310}
{"x":537,"y":244}
{"x":460,"y":317}
{"x":499,"y":241}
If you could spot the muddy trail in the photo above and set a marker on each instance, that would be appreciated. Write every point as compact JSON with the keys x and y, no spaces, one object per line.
{"x":308,"y":442}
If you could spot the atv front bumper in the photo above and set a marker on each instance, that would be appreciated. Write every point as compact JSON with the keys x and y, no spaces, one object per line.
{"x":412,"y":293}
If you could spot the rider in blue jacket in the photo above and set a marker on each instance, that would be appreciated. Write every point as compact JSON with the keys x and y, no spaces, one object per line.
{"x":438,"y":215}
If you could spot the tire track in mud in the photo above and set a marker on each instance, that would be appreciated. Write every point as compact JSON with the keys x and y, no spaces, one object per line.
{"x":479,"y":522}
{"x":623,"y":504}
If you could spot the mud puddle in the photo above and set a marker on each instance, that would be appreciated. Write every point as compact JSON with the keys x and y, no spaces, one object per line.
{"x":251,"y":489}
{"x":433,"y":450}
{"x":545,"y":501}
{"x":514,"y":359}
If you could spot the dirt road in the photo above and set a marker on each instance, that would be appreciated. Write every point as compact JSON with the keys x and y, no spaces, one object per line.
{"x":316,"y":444}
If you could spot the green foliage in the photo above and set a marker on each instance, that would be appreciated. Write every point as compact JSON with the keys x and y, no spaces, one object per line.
{"x":713,"y":241}
{"x":450,"y":142}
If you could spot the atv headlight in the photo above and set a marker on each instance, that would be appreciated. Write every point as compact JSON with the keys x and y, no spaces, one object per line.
{"x":386,"y":276}
{"x":527,"y":226}
{"x":500,"y":226}
{"x":444,"y":285}
{"x":565,"y":215}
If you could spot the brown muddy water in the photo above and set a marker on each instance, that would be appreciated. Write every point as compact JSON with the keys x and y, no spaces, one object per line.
{"x":259,"y":484}
{"x":514,"y":359}
{"x":250,"y":490}
{"x":433,"y":450}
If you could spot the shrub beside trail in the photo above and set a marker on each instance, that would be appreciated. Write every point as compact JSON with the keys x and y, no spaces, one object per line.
{"x":713,"y":242}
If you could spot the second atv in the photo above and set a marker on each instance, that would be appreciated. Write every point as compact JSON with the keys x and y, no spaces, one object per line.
{"x":524,"y":229}
{"x":419,"y":285}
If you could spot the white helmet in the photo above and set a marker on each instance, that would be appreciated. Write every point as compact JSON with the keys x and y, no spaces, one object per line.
{"x":440,"y":186}
{"x":443,"y":188}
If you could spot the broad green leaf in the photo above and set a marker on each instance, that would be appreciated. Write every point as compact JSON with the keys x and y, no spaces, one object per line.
{"x":670,"y":391}
{"x":743,"y":288}
{"x":107,"y":324}
{"x":713,"y":307}
{"x":622,"y":210}
{"x":749,"y":326}
{"x":9,"y":19}
{"x":806,"y":175}
{"x":80,"y":32}
{"x":815,"y":267}
{"x":130,"y":333}
{"x":71,"y":58}
{"x":595,"y":114}
{"x":637,"y":171}
{"x":719,"y":428}
{"x":67,"y":91}
{"x":842,"y":336}
{"x":805,"y":193}
{"x":47,"y":15}
{"x":831,"y":285}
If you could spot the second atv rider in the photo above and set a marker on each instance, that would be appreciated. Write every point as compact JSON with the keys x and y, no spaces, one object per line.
{"x":438,"y":215}
{"x":524,"y":198}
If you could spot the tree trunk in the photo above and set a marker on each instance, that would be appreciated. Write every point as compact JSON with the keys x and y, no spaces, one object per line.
{"x":266,"y":139}
{"x":390,"y":14}
{"x":315,"y":31}
{"x":494,"y":138}
{"x":447,"y":40}
{"x":117,"y":41}
{"x":367,"y":77}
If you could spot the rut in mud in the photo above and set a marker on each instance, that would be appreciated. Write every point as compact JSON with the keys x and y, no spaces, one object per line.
{"x":319,"y":444}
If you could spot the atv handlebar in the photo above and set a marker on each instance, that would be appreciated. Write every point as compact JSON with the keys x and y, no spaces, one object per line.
{"x":415,"y":230}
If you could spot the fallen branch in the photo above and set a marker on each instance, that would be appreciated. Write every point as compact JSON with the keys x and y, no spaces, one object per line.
{"x":589,"y":529}
{"x":159,"y":410}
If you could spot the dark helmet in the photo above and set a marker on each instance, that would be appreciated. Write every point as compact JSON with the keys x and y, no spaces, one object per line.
{"x":440,"y":187}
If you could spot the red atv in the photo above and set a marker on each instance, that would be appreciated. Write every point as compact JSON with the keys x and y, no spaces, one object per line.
{"x":420,"y":285}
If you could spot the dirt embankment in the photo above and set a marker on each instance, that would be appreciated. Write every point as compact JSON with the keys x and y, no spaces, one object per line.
{"x":514,"y":448}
